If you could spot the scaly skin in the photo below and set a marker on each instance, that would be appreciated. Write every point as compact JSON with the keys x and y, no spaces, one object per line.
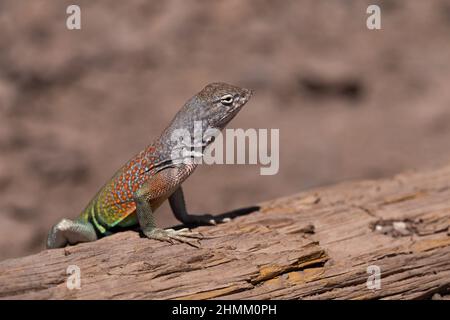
{"x":115,"y":201}
{"x":152,"y":176}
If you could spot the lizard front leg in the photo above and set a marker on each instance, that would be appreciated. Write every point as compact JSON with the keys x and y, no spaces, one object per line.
{"x":154,"y":189}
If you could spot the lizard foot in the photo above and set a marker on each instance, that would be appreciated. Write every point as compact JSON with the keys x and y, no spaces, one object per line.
{"x":204,"y":220}
{"x":171,"y":235}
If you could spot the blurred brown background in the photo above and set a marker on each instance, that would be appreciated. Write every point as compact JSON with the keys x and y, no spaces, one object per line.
{"x":349,"y":102}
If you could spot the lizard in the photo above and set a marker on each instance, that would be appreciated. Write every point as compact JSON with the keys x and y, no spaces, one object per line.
{"x":131,"y":197}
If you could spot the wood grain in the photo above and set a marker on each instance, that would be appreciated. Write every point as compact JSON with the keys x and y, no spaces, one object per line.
{"x":313,"y":245}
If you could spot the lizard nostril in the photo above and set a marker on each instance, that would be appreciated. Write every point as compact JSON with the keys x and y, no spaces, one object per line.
{"x":246,"y":96}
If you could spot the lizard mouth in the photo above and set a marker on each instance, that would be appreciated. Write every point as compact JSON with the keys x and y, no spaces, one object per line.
{"x":245,"y":97}
{"x":241,"y":100}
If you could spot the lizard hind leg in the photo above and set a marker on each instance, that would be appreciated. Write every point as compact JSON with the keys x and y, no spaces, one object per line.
{"x":70,"y":232}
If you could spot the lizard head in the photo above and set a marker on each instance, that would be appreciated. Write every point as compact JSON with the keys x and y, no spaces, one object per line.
{"x":217,"y":104}
{"x":213,"y":107}
{"x":220,"y":102}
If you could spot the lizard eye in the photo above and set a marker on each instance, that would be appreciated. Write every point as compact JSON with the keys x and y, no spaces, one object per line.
{"x":227,"y":100}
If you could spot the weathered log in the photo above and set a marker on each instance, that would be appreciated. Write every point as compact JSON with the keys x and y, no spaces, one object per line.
{"x":314,"y":245}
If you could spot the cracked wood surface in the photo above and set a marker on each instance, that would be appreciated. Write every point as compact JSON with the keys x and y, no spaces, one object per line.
{"x":314,"y":245}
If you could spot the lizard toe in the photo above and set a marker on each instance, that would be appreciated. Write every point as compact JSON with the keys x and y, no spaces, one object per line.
{"x":169,"y":235}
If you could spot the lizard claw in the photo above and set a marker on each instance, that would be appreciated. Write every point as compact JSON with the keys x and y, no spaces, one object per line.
{"x":215,"y":221}
{"x":169,"y":235}
{"x":185,"y":232}
{"x":206,"y":219}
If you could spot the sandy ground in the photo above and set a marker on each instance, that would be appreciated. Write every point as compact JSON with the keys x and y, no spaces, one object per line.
{"x":350,"y":103}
